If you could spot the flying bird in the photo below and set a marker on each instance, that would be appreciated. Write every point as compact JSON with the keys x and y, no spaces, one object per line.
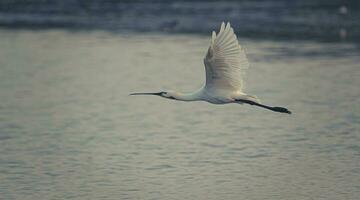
{"x":225,"y":62}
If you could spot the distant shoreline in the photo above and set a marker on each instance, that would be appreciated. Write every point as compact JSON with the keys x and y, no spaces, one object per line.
{"x":309,"y":20}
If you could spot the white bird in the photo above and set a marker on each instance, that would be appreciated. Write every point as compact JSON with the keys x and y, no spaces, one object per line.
{"x":224,"y":64}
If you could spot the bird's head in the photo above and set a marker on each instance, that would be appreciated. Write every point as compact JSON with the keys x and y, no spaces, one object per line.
{"x":165,"y":94}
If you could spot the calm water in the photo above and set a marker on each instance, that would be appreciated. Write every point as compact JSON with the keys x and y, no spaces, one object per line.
{"x":69,"y":130}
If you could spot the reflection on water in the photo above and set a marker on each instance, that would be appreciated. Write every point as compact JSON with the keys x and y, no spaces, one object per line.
{"x":69,"y":130}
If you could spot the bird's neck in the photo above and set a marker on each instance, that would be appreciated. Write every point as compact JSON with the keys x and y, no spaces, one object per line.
{"x":187,"y":96}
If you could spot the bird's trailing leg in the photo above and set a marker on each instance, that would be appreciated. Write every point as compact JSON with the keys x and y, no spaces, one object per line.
{"x":148,"y":93}
{"x":275,"y":109}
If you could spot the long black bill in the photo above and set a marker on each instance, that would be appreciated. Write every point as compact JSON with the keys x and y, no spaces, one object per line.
{"x":147,"y":93}
{"x":275,"y":109}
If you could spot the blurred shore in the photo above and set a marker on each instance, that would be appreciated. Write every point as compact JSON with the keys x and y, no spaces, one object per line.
{"x":335,"y":20}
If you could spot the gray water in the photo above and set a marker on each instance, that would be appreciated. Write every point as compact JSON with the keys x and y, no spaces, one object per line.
{"x":330,"y":20}
{"x":69,"y":130}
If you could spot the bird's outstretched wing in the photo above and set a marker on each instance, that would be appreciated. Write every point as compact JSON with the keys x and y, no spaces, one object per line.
{"x":225,"y":61}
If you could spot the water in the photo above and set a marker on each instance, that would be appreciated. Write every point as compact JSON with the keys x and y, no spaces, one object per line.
{"x":330,"y":20}
{"x":69,"y":130}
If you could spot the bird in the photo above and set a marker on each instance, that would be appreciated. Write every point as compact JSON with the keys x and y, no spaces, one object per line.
{"x":225,"y":62}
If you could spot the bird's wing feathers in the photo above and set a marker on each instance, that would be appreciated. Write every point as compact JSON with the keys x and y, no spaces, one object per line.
{"x":225,"y":61}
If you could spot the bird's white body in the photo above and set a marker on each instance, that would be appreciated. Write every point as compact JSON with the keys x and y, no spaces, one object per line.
{"x":215,"y":96}
{"x":225,"y":62}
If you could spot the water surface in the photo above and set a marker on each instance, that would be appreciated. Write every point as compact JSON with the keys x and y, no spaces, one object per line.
{"x":69,"y":130}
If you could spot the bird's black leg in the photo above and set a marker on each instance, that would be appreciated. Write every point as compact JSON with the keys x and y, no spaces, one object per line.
{"x":275,"y":109}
